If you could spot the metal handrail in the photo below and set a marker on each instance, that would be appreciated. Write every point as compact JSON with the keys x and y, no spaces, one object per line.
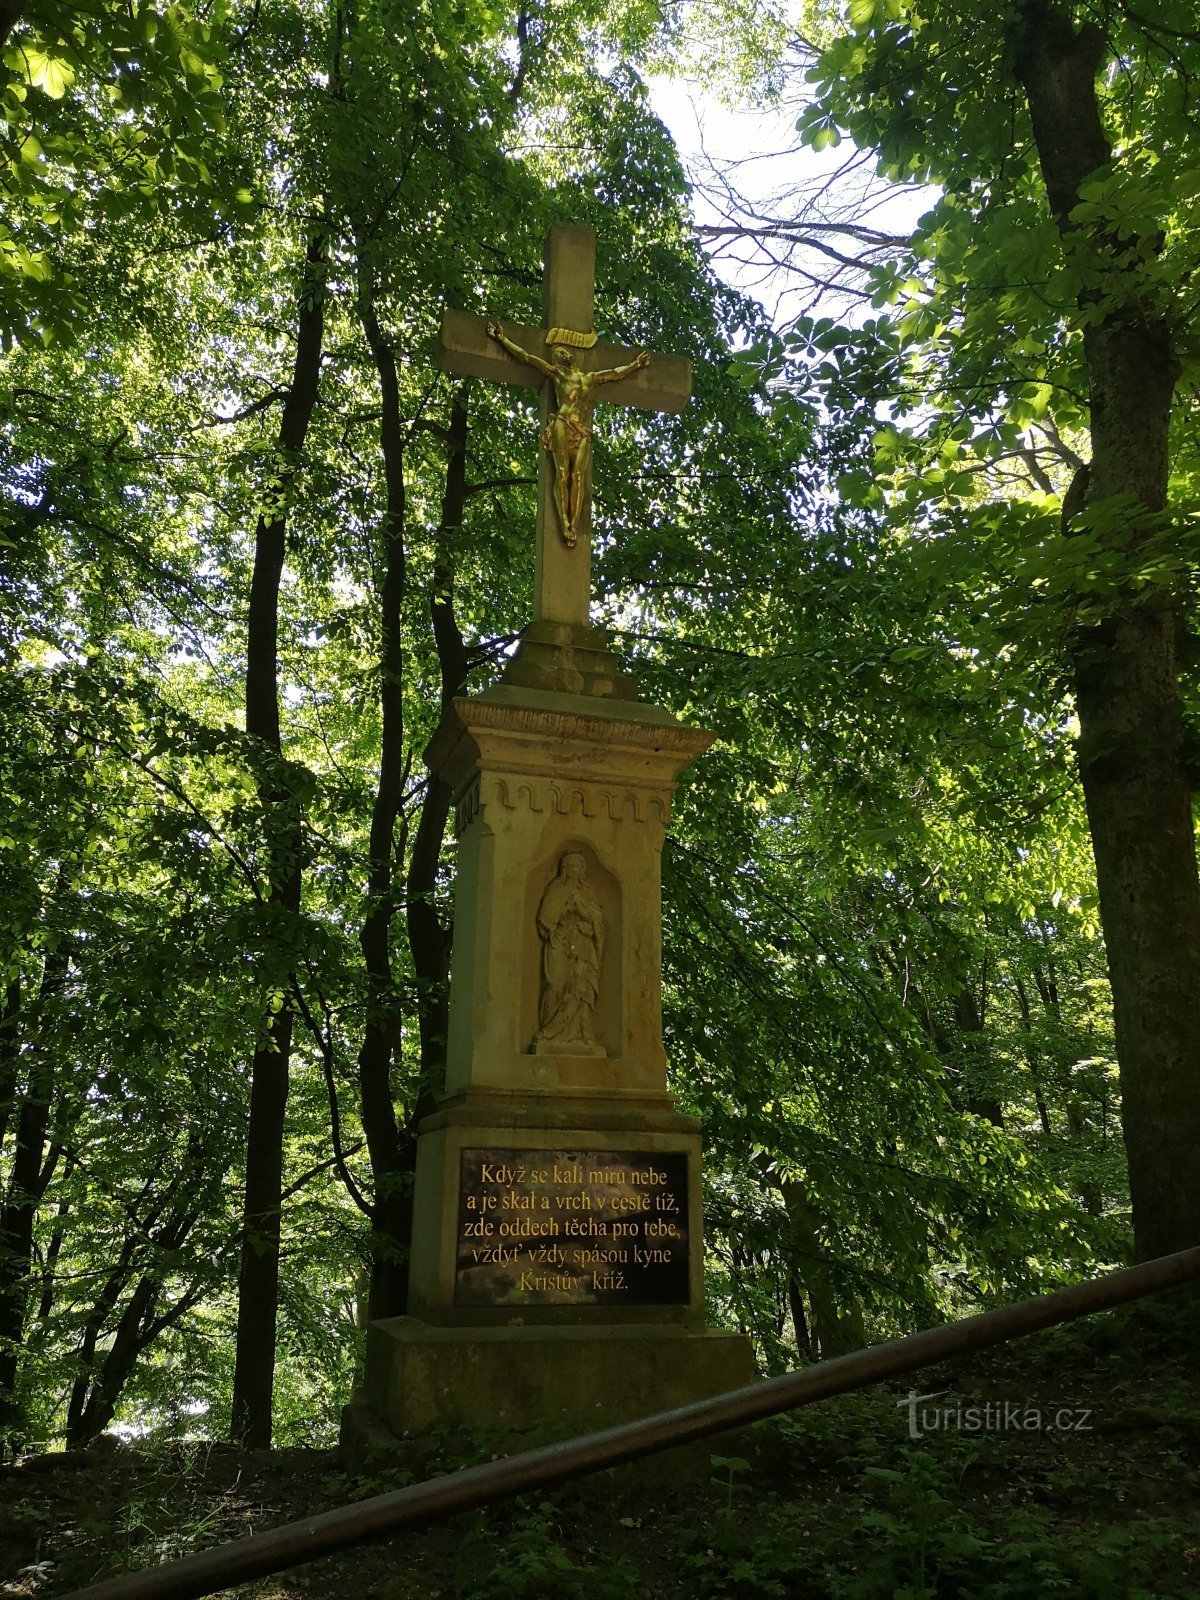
{"x":298,"y":1542}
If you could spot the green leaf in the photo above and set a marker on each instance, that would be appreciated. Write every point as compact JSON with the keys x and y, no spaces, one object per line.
{"x":52,"y":74}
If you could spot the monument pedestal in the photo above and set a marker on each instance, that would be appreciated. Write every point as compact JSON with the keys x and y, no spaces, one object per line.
{"x":557,"y":1265}
{"x":572,"y":1379}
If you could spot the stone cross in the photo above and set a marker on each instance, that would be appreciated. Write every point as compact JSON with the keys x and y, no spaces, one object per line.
{"x":562,"y":572}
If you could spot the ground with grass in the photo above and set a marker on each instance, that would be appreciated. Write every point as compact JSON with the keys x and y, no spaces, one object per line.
{"x":1067,"y":1464}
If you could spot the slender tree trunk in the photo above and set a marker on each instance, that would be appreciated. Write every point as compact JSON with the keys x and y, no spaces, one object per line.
{"x":258,"y":1276}
{"x":968,"y":1043}
{"x":391,"y":1148}
{"x":157,"y":1235}
{"x":93,"y":1327}
{"x":837,"y":1321}
{"x":27,"y":1182}
{"x":10,"y":1052}
{"x":428,"y":938}
{"x":795,"y":1296}
{"x":17,"y":1216}
{"x":53,"y":1250}
{"x":95,"y":1414}
{"x":381,"y":1032}
{"x":972,"y":1044}
{"x":1132,"y":750}
{"x":1032,"y":1060}
{"x":98,"y":1392}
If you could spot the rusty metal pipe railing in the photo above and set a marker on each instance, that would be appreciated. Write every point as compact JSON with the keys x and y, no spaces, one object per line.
{"x":298,"y":1542}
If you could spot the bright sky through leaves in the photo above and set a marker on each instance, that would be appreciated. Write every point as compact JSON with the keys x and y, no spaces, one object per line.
{"x":748,"y":167}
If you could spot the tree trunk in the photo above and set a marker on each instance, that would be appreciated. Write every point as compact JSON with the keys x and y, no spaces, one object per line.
{"x":381,"y":1031}
{"x":97,"y":1393}
{"x":27,"y":1182}
{"x":10,"y":1052}
{"x":972,"y":1045}
{"x":53,"y":1251}
{"x":95,"y":1413}
{"x":93,"y":1327}
{"x":795,"y":1296}
{"x":1132,"y":751}
{"x":968,"y":1043}
{"x":258,"y":1276}
{"x":392,"y":1149}
{"x":837,"y":1320}
{"x":428,"y":939}
{"x":1032,"y":1059}
{"x":154,"y":1238}
{"x":836,"y":1325}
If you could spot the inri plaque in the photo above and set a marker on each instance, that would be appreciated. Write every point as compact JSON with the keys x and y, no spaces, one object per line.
{"x":572,"y":1228}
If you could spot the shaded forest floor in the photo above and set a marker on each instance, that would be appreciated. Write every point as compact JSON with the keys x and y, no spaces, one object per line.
{"x":838,"y":1502}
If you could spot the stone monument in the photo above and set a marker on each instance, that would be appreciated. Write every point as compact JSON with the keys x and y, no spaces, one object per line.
{"x":557,"y":1268}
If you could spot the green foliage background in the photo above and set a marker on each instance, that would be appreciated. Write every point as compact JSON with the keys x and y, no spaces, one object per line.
{"x":884,"y":983}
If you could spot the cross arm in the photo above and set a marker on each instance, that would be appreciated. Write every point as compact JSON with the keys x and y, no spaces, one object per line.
{"x":466,"y":346}
{"x":665,"y":385}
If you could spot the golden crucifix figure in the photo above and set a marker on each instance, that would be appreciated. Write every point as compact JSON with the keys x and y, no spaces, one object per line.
{"x":567,"y":437}
{"x":574,"y":370}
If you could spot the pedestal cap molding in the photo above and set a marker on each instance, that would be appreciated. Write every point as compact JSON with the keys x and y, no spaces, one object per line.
{"x":560,"y":744}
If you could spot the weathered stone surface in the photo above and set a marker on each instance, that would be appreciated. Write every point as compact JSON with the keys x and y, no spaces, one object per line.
{"x":595,"y":1124}
{"x":568,"y":659}
{"x":542,"y":778}
{"x":535,"y":777}
{"x":518,"y":1378}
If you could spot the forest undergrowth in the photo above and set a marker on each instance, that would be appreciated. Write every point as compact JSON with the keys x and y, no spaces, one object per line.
{"x":838,"y":1502}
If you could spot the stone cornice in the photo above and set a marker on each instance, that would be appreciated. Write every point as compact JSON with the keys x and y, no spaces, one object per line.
{"x":599,"y":727}
{"x":566,"y":742}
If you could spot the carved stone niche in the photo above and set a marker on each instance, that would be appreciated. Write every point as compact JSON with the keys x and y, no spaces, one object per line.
{"x":538,"y":777}
{"x":546,"y":1027}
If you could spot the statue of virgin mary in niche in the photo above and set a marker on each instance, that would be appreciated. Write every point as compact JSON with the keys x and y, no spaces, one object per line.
{"x":570,"y":921}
